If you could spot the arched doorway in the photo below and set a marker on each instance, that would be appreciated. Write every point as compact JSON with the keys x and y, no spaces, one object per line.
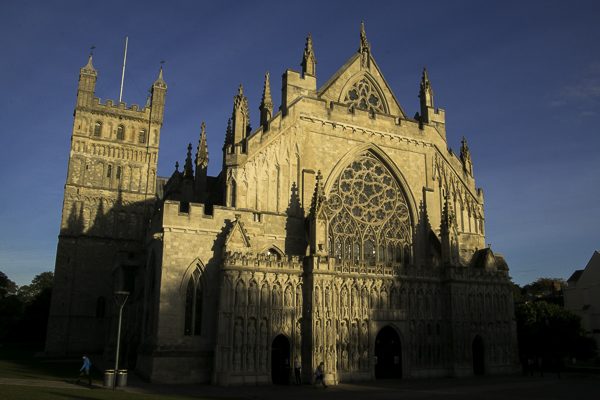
{"x":388,"y":353}
{"x":478,"y":356}
{"x":280,"y":360}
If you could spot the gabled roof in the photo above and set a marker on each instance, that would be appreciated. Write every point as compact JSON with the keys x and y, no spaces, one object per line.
{"x":575,"y":276}
{"x":486,"y":259}
{"x":591,"y":272}
{"x":352,"y":71}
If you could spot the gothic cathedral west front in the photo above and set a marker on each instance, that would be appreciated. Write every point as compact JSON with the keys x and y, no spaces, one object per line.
{"x":340,"y":231}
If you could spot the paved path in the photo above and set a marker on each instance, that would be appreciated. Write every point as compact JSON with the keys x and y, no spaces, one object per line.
{"x":550,"y":387}
{"x":569,"y":387}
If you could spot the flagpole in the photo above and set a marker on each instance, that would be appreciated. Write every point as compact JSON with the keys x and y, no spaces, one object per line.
{"x":123,"y":73}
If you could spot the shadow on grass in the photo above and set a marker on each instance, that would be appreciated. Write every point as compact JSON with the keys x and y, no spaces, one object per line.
{"x":19,"y":361}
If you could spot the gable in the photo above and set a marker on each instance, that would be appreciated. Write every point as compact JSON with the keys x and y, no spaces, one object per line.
{"x":361,"y":86}
{"x":237,"y":238}
{"x":591,"y":272}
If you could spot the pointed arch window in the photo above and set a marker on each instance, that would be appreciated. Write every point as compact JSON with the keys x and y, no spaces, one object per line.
{"x":98,"y":129}
{"x":142,"y":136}
{"x":232,"y":193}
{"x":369,"y":214}
{"x":193,"y":305}
{"x":120,"y":132}
{"x":365,"y":96}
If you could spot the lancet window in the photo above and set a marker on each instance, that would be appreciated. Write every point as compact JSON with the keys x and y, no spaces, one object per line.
{"x":364,"y":96}
{"x":98,"y":129}
{"x":120,"y":132}
{"x":193,"y":305}
{"x":368,"y":214}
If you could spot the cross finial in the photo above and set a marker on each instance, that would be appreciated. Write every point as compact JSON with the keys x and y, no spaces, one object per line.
{"x":92,"y":50}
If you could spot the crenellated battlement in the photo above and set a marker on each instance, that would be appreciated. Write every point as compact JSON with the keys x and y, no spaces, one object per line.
{"x":111,"y":108}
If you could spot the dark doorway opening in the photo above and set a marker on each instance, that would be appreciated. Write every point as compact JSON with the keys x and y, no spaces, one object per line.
{"x":280,"y":360}
{"x":478,"y":356}
{"x":388,"y":353}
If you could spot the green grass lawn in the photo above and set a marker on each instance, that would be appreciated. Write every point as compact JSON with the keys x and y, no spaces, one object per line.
{"x":19,"y":362}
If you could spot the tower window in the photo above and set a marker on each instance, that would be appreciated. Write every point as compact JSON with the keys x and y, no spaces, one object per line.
{"x":109,"y":171}
{"x":118,"y":172}
{"x":142,"y":136}
{"x":98,"y":129}
{"x":121,"y":132}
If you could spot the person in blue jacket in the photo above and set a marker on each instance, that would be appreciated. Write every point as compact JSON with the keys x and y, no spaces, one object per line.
{"x":85,"y":370}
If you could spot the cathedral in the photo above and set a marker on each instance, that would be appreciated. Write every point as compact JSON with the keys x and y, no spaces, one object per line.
{"x":340,"y":231}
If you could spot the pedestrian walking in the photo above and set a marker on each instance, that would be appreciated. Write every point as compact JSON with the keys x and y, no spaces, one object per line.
{"x":85,"y":370}
{"x":320,"y":375}
{"x":297,"y":370}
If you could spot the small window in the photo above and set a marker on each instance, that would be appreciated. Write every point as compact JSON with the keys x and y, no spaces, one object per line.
{"x":142,"y":136}
{"x":109,"y":171}
{"x":121,"y":132}
{"x":98,"y":129}
{"x":118,"y":172}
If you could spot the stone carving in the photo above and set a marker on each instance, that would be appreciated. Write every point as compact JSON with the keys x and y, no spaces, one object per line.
{"x":251,"y":348}
{"x":288,"y":297}
{"x":237,"y":345}
{"x":299,"y":298}
{"x":344,"y":301}
{"x":253,"y":294}
{"x":264,"y":344}
{"x":264,"y":297}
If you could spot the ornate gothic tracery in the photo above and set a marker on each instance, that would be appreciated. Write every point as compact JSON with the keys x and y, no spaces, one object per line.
{"x":364,"y":96}
{"x":368,"y":214}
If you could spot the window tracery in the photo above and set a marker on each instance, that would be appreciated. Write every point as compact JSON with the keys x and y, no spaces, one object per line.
{"x":193,"y":305}
{"x":364,"y":96}
{"x":368,"y":214}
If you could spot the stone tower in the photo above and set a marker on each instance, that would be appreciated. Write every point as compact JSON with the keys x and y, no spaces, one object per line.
{"x":109,"y":191}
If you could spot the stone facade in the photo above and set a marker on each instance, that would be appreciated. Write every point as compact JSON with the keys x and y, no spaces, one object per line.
{"x":339,"y":231}
{"x":582,"y":296}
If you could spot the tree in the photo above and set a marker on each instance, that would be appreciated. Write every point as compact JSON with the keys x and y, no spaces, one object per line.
{"x":547,"y":289}
{"x":39,"y":284}
{"x":36,"y":297}
{"x":550,"y":332}
{"x":11,"y":306}
{"x":7,"y":287}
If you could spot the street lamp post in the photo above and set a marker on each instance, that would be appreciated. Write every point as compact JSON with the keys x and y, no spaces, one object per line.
{"x":120,"y":299}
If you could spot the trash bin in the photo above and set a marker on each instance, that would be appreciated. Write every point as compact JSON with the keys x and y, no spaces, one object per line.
{"x":122,"y":378}
{"x":109,"y":378}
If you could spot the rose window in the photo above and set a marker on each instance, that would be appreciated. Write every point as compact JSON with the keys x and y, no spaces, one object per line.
{"x":364,"y":96}
{"x":368,"y":214}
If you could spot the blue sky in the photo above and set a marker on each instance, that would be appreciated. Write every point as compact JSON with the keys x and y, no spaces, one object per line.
{"x":521,"y":80}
